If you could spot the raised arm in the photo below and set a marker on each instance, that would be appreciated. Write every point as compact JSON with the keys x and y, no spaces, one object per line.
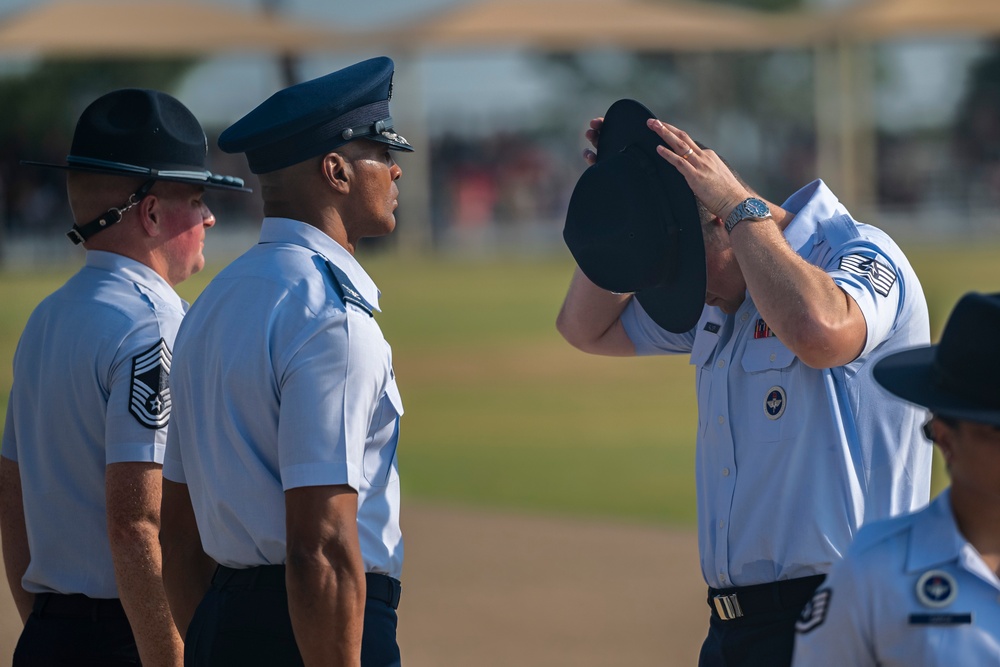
{"x":811,"y":315}
{"x":133,"y":510}
{"x":589,"y":317}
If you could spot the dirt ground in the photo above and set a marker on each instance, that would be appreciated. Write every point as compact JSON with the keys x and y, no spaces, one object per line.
{"x":493,"y":589}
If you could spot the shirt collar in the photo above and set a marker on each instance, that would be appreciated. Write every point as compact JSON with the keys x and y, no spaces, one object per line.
{"x":810,"y":205}
{"x":934,"y":538}
{"x":136,"y":272}
{"x":286,"y":230}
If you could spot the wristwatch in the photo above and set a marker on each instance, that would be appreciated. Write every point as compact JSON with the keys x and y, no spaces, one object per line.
{"x":748,"y":209}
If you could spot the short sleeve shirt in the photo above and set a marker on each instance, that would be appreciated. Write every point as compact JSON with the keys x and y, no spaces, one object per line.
{"x":792,"y":460}
{"x":282,"y":379}
{"x":90,"y":389}
{"x":911,"y":592}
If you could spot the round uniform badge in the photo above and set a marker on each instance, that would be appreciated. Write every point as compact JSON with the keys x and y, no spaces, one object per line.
{"x":936,"y":589}
{"x":774,"y":402}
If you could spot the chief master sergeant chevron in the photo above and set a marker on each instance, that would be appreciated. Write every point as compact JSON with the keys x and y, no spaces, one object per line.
{"x":281,"y":493}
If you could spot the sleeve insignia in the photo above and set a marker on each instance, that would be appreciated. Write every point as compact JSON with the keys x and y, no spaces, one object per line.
{"x":878,"y":274}
{"x":149,"y":399}
{"x":814,"y":613}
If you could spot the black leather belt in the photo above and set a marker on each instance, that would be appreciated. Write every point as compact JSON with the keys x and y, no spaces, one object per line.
{"x":379,"y":586}
{"x":788,"y":594}
{"x":57,"y":605}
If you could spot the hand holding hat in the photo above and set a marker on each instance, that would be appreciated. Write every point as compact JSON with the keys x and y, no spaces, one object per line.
{"x":633,"y":224}
{"x":711,"y":180}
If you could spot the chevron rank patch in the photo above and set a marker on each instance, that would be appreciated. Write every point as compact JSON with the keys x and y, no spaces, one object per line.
{"x":878,"y":274}
{"x":814,"y":613}
{"x":149,"y":400}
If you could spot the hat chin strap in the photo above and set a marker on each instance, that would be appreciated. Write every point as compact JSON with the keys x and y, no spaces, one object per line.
{"x":112,"y":216}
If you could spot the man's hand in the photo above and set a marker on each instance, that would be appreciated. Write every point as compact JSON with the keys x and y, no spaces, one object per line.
{"x":712,"y":182}
{"x":593,"y":134}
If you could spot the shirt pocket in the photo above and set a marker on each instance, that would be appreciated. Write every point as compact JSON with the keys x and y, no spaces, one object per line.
{"x":383,"y":438}
{"x":770,"y":405}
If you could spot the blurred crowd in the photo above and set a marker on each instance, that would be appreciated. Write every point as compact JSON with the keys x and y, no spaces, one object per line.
{"x":487,"y":190}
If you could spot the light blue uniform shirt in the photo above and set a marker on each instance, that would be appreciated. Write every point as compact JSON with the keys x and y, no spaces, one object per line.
{"x":910,"y":592}
{"x":90,"y":389}
{"x":282,"y":379}
{"x":791,"y":460}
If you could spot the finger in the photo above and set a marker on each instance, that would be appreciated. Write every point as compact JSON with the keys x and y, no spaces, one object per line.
{"x":682,"y":135}
{"x":673,"y":158}
{"x":665,"y":132}
{"x":596,"y":123}
{"x":590,"y":156}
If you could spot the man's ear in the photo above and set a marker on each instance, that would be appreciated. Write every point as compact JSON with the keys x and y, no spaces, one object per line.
{"x":337,"y":172}
{"x":148,"y":210}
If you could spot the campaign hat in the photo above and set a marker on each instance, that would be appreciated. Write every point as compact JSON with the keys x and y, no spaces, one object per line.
{"x":633,"y":226}
{"x":144,"y":134}
{"x":960,"y":376}
{"x":314,"y":117}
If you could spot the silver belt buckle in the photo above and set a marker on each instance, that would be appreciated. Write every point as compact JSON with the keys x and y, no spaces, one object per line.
{"x":728,"y":607}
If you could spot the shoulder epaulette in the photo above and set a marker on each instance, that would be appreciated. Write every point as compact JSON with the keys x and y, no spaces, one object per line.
{"x":346,"y":289}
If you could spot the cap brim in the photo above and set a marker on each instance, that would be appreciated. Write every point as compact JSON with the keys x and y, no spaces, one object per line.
{"x":131,"y":174}
{"x":908,"y":375}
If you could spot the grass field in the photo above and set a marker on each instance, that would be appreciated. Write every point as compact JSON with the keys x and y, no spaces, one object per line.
{"x":500,"y":412}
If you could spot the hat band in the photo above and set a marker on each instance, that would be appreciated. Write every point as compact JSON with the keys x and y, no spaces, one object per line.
{"x":205,"y":176}
{"x":355,"y":124}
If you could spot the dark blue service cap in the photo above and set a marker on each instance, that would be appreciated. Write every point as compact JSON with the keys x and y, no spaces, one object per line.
{"x":314,"y":117}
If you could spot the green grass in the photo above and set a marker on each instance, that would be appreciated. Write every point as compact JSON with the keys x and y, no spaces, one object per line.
{"x":500,"y":412}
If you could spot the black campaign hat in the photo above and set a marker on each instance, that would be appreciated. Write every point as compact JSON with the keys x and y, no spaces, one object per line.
{"x":633,"y":223}
{"x":314,"y":117}
{"x":960,"y":376}
{"x":144,"y":134}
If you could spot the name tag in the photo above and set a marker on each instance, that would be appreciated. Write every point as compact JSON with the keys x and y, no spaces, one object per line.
{"x":940,"y":619}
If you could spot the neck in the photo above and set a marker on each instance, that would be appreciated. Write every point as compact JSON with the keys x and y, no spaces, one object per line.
{"x":978,"y":519}
{"x":327,"y":221}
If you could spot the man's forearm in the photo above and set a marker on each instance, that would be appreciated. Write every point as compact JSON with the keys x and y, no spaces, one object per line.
{"x":327,"y":605}
{"x":187,"y":570}
{"x":16,"y":554}
{"x":799,"y":301}
{"x":186,"y":578}
{"x":136,"y":554}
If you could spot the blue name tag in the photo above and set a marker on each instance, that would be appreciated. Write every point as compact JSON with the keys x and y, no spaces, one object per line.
{"x":940,"y":619}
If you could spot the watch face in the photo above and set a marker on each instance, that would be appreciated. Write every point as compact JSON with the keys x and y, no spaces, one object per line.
{"x":755,"y":208}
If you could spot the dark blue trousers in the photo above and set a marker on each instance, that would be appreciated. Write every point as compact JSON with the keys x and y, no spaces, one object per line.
{"x":76,"y":631}
{"x":244,"y":622}
{"x":762,"y":641}
{"x":765,"y":635}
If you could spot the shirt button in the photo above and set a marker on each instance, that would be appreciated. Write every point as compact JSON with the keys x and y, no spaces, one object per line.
{"x":722,"y":577}
{"x":722,"y":420}
{"x":725,"y":472}
{"x":745,"y":317}
{"x":722,"y":363}
{"x":722,"y":523}
{"x":773,"y":356}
